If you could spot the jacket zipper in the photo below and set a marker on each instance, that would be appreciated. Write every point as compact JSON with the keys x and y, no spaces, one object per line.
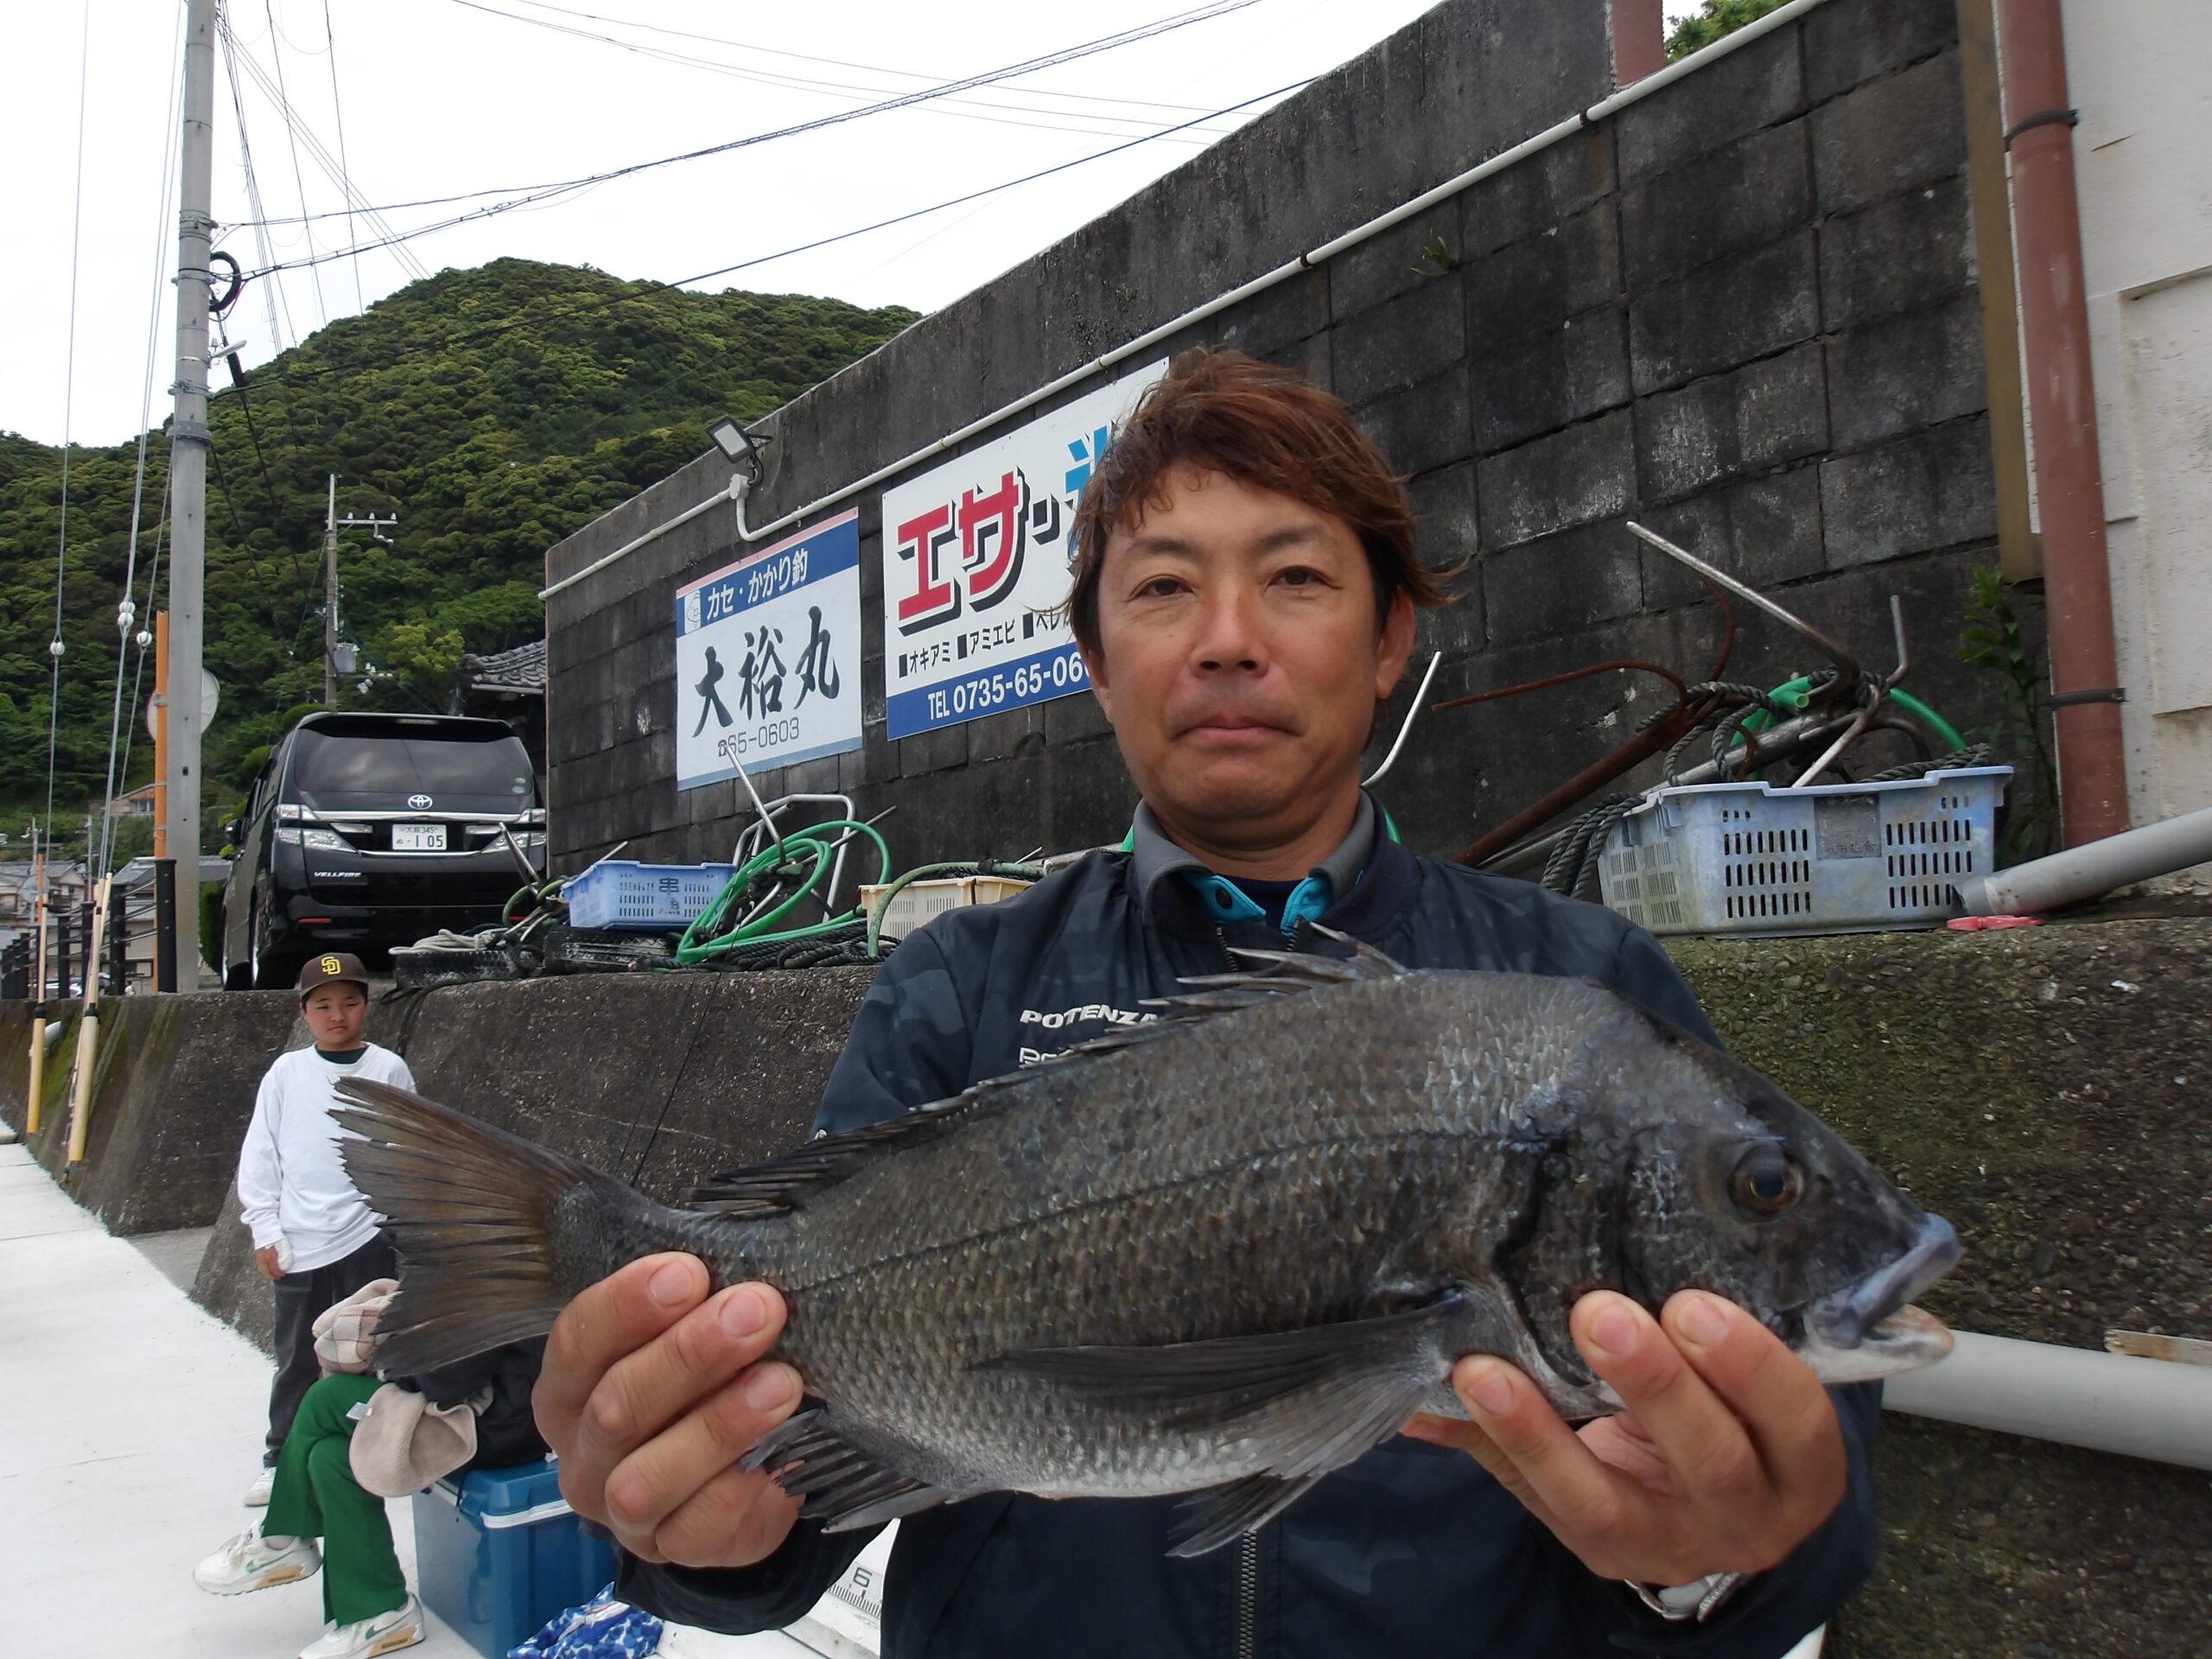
{"x":1247,"y":1548}
{"x":1248,"y":1596}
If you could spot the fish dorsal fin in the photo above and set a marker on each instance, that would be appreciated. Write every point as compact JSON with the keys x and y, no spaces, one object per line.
{"x":783,"y":1182}
{"x":1278,"y":974}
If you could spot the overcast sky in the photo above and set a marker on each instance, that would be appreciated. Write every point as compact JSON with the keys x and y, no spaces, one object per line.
{"x":445,"y":97}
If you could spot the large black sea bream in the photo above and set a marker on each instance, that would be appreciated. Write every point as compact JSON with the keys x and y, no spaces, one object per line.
{"x":1221,"y":1253}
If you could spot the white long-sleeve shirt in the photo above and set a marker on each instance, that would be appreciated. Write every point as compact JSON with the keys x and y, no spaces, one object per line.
{"x":291,"y":1186}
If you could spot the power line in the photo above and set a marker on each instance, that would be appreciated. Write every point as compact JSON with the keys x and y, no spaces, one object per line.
{"x":541,"y":193}
{"x":969,"y":108}
{"x":55,"y":647}
{"x":649,"y":289}
{"x":126,"y":613}
{"x":337,"y":111}
{"x":292,"y":142}
{"x":838,"y":63}
{"x":302,"y":134}
{"x":273,"y":294}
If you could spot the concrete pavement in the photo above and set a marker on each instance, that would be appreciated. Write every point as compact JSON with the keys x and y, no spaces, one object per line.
{"x":132,"y":1423}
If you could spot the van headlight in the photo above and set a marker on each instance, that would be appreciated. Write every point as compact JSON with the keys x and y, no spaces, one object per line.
{"x":325,"y":841}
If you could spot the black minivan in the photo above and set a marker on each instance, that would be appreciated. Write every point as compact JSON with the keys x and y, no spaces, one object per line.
{"x":365,"y":831}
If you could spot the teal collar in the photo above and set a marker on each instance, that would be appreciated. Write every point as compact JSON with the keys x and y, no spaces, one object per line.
{"x":1155,"y":857}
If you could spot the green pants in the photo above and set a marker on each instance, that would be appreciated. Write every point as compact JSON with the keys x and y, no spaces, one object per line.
{"x":316,"y":1497}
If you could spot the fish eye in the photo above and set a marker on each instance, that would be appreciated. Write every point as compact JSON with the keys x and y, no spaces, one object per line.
{"x":1766,"y":1181}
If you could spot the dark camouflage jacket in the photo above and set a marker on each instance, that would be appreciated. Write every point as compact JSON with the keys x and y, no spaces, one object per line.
{"x":1412,"y":1550}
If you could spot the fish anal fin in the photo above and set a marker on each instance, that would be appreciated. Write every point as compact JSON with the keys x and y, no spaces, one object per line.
{"x":841,"y":1484}
{"x":1308,"y":1400}
{"x":1220,"y":1515}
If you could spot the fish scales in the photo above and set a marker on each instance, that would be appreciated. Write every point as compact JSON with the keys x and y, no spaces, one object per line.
{"x":1164,"y":1193}
{"x":1237,"y":1247}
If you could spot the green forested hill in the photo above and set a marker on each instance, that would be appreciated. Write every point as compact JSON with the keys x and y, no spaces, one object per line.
{"x":494,"y":409}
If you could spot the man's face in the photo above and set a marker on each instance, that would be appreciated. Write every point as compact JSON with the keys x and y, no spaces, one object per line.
{"x":335,"y":1014}
{"x":1239,"y":660}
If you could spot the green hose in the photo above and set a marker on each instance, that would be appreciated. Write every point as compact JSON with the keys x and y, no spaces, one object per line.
{"x":1796,"y":694}
{"x":807,"y":855}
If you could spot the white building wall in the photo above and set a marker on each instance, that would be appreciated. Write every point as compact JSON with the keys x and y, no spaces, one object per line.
{"x":2140,"y":74}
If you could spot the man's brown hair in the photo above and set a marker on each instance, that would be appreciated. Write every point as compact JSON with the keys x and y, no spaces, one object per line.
{"x":1270,"y":428}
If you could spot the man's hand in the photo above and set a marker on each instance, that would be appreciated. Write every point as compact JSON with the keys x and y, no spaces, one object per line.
{"x":265,"y":1259}
{"x":1727,"y":1456}
{"x":651,"y":1391}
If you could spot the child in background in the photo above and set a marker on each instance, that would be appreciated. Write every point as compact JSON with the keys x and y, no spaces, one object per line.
{"x":314,"y":1235}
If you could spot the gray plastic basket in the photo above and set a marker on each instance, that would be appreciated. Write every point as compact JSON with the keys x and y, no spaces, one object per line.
{"x":1836,"y":858}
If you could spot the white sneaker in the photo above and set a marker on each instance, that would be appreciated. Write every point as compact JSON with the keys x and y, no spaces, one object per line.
{"x":257,"y":1495}
{"x":249,"y":1562}
{"x":367,"y":1637}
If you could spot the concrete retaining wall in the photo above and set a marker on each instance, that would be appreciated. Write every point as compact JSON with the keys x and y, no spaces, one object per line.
{"x":2043,"y":1089}
{"x":172,"y":1088}
{"x":1743,"y":309}
{"x":662,"y":1080}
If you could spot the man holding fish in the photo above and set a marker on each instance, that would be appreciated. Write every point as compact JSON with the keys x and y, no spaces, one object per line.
{"x":1244,"y":594}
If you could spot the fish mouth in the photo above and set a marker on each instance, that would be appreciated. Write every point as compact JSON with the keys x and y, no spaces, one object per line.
{"x":1869,"y":1329}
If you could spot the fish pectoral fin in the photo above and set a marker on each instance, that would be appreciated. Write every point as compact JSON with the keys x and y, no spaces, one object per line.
{"x":843,"y":1485}
{"x":1220,"y":1515}
{"x":1309,"y":1401}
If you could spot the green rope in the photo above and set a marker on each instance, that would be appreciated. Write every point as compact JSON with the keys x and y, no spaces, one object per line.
{"x":806,"y":857}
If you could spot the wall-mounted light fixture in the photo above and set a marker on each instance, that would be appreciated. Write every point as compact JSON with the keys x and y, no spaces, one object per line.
{"x":743,"y":449}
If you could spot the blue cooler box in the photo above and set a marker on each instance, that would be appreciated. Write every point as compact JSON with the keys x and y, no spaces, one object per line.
{"x":500,"y":1553}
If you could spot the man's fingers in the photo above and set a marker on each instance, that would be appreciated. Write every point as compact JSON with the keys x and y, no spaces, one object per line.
{"x":644,"y":1392}
{"x":1697,"y":1434}
{"x":1570,"y":1490}
{"x":735,"y":1519}
{"x":662,"y":1474}
{"x":617,"y":1315}
{"x":1771,"y":1392}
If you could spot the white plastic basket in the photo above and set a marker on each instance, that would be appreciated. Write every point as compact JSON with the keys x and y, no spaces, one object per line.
{"x":1836,"y":858}
{"x":630,"y":897}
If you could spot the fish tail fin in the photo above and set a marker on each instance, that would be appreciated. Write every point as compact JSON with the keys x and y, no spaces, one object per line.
{"x":487,"y":1224}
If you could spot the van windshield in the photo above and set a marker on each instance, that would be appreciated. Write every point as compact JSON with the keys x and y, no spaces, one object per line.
{"x":364,"y":771}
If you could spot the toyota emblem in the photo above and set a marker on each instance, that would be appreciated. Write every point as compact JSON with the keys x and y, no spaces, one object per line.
{"x":420,"y":803}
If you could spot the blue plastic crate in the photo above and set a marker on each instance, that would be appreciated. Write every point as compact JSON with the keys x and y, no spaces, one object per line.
{"x":1833,"y":858}
{"x":500,"y":1552}
{"x":643,"y":898}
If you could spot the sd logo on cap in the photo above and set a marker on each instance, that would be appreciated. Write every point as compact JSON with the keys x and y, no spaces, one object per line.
{"x":335,"y":968}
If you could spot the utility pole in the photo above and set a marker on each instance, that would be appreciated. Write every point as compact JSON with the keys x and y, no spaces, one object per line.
{"x":188,"y":439}
{"x":331,"y":523}
{"x":330,"y":598}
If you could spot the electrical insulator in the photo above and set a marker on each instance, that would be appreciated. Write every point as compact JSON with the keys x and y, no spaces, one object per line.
{"x":143,"y":639}
{"x":55,"y":648}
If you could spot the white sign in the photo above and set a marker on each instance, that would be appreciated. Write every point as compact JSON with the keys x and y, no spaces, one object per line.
{"x":768,"y":657}
{"x":976,"y":553}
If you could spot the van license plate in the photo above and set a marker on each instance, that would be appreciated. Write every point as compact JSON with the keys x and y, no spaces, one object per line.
{"x":418,"y":837}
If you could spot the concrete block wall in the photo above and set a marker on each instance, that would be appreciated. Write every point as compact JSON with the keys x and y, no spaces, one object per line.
{"x":1742,"y":309}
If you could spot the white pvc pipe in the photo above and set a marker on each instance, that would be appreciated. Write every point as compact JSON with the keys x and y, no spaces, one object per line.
{"x":2154,"y":1408}
{"x":1778,"y":18}
{"x":2094,"y":867}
